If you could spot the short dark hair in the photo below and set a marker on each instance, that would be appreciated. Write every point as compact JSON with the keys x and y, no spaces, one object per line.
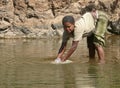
{"x":90,"y":7}
{"x":68,"y":19}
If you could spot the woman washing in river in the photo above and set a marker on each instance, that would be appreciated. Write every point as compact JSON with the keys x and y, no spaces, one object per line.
{"x":91,"y":25}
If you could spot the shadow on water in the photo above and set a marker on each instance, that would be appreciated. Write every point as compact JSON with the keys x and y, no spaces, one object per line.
{"x":27,"y":64}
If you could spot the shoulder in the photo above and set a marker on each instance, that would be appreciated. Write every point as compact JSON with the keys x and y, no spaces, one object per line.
{"x":65,"y":36}
{"x":87,"y":14}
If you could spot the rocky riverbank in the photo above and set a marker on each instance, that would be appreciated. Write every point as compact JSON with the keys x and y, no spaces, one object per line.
{"x":33,"y":18}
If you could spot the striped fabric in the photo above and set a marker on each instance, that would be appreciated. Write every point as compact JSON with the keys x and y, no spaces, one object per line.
{"x":101,"y":27}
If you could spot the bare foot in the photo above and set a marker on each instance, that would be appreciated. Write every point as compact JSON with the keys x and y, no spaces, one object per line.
{"x":101,"y":62}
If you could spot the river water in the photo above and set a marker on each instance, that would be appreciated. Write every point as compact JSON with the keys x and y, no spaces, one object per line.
{"x":26,"y":63}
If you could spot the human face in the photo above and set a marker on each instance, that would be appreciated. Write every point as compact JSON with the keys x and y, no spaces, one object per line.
{"x":69,"y":27}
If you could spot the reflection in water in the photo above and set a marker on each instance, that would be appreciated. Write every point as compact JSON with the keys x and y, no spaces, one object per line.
{"x":112,"y":50}
{"x":26,"y":64}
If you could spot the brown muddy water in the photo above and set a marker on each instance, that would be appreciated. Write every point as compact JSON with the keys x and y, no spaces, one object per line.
{"x":27,"y":64}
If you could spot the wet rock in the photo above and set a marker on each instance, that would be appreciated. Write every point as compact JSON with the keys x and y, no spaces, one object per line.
{"x":4,"y":26}
{"x":9,"y":34}
{"x":114,"y":27}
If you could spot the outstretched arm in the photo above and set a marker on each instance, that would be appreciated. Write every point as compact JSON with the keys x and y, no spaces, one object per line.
{"x":62,"y":49}
{"x":71,"y":50}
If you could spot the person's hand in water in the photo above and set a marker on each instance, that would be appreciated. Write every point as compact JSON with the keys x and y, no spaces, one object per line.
{"x":58,"y":60}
